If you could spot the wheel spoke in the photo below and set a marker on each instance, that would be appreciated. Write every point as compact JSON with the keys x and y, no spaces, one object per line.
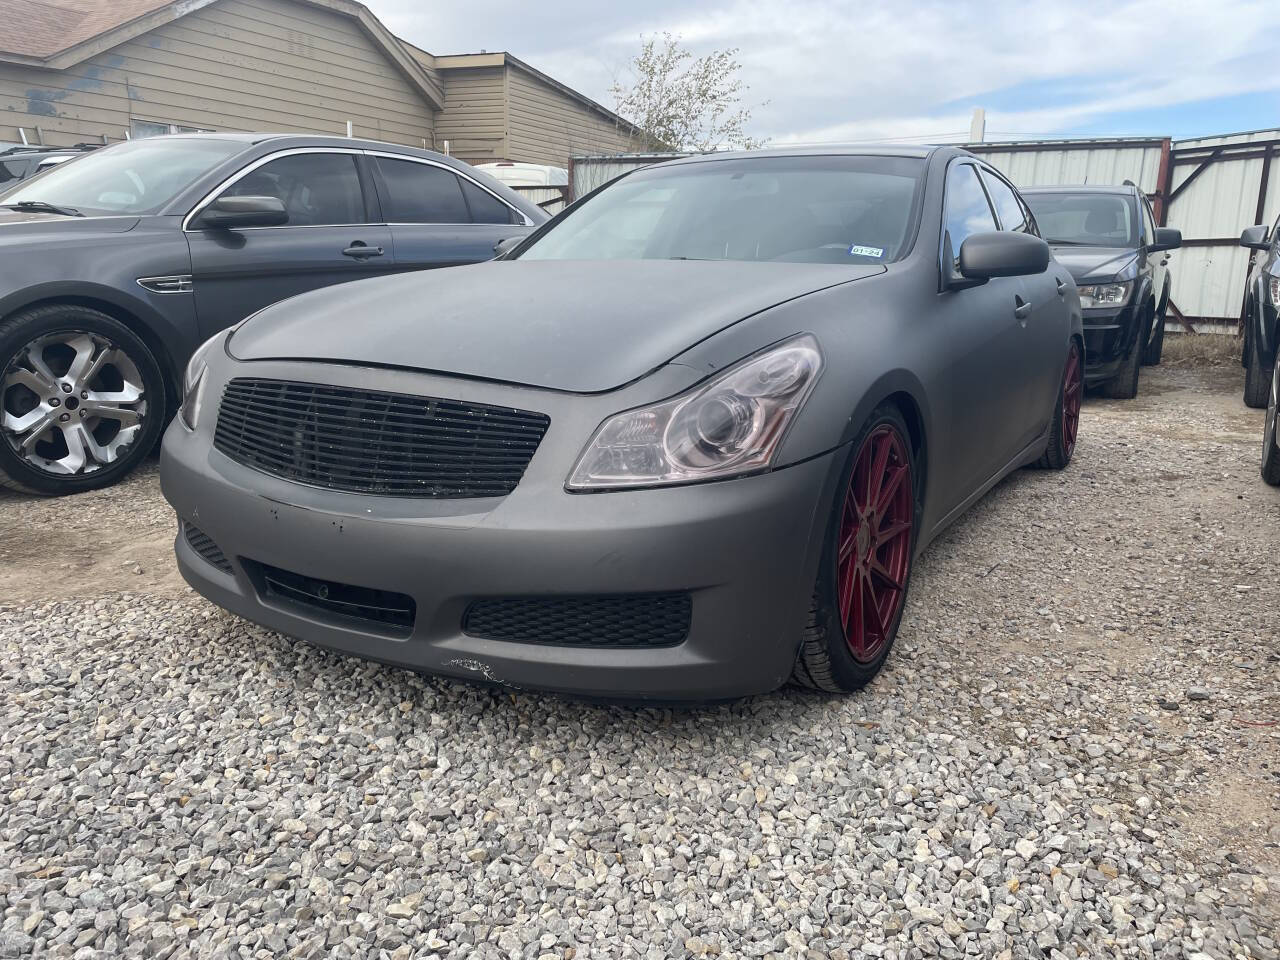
{"x":31,"y":439}
{"x":125,"y":416}
{"x":890,"y":533}
{"x":878,"y":569}
{"x":875,"y":478}
{"x":855,"y":627}
{"x":20,"y":425}
{"x":30,"y":379}
{"x":845,"y":591}
{"x":87,"y":354}
{"x":877,"y":618}
{"x":890,"y":487}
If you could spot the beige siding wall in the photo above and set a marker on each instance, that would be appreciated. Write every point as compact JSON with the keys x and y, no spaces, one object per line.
{"x":236,"y":65}
{"x":474,"y":118}
{"x":549,"y":127}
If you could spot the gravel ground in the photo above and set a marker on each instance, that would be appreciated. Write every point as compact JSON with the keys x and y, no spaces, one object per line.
{"x":1067,"y":756}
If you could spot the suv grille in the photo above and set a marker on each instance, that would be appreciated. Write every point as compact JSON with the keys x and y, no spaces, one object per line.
{"x":201,"y":543}
{"x":368,"y":441}
{"x":392,"y":612}
{"x":640,"y":620}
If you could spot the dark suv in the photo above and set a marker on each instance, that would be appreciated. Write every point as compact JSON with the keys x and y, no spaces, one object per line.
{"x":1261,"y":309}
{"x":114,"y":268}
{"x":1108,"y":239}
{"x":23,"y":163}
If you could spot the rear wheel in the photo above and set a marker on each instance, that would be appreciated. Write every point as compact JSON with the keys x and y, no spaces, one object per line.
{"x":1257,"y":380}
{"x":1270,"y":452}
{"x":81,"y":400}
{"x":866,"y":561}
{"x":1066,"y":414}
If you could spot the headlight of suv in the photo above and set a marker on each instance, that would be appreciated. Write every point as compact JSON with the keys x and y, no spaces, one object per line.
{"x":193,"y":381}
{"x":728,"y":426}
{"x":1273,"y":286}
{"x":1104,"y":295}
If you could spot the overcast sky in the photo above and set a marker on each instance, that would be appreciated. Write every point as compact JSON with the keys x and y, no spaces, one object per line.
{"x":838,"y":71}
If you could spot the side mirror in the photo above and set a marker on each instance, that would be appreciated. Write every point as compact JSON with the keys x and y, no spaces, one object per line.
{"x":229,"y":213}
{"x":1166,"y":238}
{"x":1004,"y":254}
{"x":1255,"y":237}
{"x":503,"y":247}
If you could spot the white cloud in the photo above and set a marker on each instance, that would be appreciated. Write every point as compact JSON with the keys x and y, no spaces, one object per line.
{"x":842,"y":70}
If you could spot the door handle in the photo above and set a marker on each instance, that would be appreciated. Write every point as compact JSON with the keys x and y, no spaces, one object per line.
{"x":1021,"y":308}
{"x":1062,"y":287}
{"x":359,"y":250}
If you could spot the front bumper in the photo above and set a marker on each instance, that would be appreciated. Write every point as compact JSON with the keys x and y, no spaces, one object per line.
{"x":746,"y":551}
{"x":1108,"y":338}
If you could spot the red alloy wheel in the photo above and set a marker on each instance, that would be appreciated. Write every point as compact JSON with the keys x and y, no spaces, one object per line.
{"x":874,"y":549}
{"x":1072,"y":395}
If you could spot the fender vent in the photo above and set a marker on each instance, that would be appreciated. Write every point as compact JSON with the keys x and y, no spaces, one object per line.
{"x":177,"y":284}
{"x":200,"y":542}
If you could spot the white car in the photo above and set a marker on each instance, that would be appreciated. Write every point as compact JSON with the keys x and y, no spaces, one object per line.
{"x":515,"y":174}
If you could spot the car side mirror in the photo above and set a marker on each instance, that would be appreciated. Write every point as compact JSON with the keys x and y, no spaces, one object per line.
{"x":1166,"y":238}
{"x":229,"y":213}
{"x":503,"y":247}
{"x":1004,"y":254}
{"x":1255,"y":238}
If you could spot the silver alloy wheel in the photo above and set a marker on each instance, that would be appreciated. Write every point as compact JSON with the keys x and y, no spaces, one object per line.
{"x":71,"y":403}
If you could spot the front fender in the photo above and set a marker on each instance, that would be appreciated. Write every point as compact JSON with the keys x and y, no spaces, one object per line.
{"x":172,"y":329}
{"x":1263,"y":317}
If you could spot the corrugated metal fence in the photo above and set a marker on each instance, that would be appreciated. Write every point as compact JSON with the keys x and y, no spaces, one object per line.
{"x":1209,"y":188}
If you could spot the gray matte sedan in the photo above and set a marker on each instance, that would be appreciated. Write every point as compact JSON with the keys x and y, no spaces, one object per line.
{"x":684,"y":442}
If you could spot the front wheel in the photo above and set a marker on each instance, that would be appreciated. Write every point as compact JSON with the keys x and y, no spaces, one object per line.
{"x":1155,"y":347}
{"x":1124,"y":385}
{"x":1066,"y":414}
{"x":82,"y":400}
{"x":1270,"y":450}
{"x":866,"y":561}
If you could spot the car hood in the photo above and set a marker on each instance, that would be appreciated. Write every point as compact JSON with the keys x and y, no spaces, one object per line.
{"x":563,"y":325}
{"x":20,"y":226}
{"x":1086,"y":262}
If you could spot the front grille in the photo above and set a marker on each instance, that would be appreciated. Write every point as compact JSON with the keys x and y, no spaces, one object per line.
{"x":391,"y":613}
{"x":368,"y":441}
{"x":639,"y":620}
{"x":200,"y":542}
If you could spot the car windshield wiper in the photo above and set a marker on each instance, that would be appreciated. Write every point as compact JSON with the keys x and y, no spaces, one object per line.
{"x":43,"y":207}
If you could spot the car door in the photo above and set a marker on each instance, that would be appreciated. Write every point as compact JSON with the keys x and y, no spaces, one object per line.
{"x":331,"y":236}
{"x":1045,"y":327}
{"x":982,"y":347}
{"x":437,"y":217}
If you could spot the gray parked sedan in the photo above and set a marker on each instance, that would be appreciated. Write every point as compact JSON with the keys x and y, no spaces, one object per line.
{"x":116,"y":266}
{"x":684,"y":442}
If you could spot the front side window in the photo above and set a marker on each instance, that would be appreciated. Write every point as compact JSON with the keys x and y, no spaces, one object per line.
{"x":967,"y":211}
{"x":317,"y":189}
{"x":421,"y":193}
{"x":837,"y":210}
{"x":134,"y":178}
{"x":1008,"y":208}
{"x":1092,"y":219}
{"x":1148,"y":222}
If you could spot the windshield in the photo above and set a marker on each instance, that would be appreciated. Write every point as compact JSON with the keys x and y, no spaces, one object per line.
{"x":136,"y":177}
{"x":1092,"y":219}
{"x":790,"y":209}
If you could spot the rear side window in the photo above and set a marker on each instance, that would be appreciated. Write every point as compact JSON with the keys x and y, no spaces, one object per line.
{"x":421,"y":193}
{"x":968,"y":211}
{"x":1012,"y":216}
{"x":484,"y":206}
{"x":317,"y":189}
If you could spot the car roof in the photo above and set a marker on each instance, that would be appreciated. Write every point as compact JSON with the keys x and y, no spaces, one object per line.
{"x":1081,"y":188}
{"x":842,"y":150}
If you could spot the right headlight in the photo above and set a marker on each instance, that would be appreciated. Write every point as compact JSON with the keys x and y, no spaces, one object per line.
{"x":728,"y":426}
{"x":1273,"y":289}
{"x":1093,"y":295}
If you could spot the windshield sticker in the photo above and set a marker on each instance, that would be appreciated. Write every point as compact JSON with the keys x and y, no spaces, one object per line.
{"x":858,"y":250}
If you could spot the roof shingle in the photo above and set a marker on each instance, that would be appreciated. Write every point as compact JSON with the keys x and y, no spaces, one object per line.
{"x":43,"y":28}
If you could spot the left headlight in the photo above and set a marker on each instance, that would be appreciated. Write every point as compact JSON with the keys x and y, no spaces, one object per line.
{"x":728,"y":426}
{"x":1094,"y":295}
{"x":193,"y":381}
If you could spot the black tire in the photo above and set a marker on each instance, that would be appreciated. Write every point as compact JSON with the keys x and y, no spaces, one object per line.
{"x":1062,"y":447}
{"x":1124,"y":385}
{"x":20,"y":330}
{"x":1155,"y":346}
{"x":1270,"y":452}
{"x":1257,"y":375}
{"x":824,"y":661}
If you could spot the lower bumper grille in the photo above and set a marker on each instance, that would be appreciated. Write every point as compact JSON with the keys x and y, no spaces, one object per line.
{"x":201,"y":543}
{"x":387,"y":612}
{"x":640,"y":620}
